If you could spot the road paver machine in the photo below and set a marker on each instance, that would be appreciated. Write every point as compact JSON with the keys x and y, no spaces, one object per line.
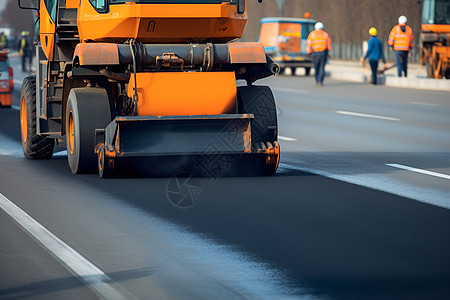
{"x":151,"y":87}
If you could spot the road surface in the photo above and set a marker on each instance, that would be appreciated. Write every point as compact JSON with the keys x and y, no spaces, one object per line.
{"x":359,"y":209}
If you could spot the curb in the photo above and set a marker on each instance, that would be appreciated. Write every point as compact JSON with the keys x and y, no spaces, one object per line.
{"x":419,"y":83}
{"x":393,"y":81}
{"x":347,"y":76}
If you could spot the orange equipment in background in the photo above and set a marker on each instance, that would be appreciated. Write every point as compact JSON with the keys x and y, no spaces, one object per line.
{"x":6,"y":80}
{"x":284,"y":39}
{"x":150,"y":86}
{"x":435,"y":38}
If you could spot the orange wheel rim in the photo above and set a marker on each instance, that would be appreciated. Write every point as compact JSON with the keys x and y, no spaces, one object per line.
{"x":71,"y":134}
{"x":100,"y":158}
{"x":277,"y":151}
{"x":23,"y":119}
{"x":273,"y":158}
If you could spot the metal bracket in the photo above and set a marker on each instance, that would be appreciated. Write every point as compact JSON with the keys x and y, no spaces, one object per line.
{"x":168,"y":60}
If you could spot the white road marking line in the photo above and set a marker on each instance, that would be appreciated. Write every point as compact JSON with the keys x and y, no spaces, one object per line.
{"x":95,"y":279}
{"x":440,"y":175}
{"x":393,"y":186}
{"x":350,"y":113}
{"x":286,"y":138}
{"x":281,"y":89}
{"x":425,"y":104}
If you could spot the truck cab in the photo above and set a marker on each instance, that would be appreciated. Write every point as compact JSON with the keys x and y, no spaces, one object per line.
{"x":436,"y":16}
{"x":284,"y":40}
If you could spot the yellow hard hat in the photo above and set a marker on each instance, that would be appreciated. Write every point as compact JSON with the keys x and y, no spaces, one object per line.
{"x":23,"y":33}
{"x":373,"y":31}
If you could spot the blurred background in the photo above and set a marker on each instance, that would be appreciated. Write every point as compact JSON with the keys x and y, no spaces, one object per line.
{"x":347,"y":21}
{"x":14,"y":20}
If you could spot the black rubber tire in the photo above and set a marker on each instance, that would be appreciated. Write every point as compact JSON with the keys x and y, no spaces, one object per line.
{"x":430,"y":71}
{"x":259,"y":101}
{"x":34,"y":146}
{"x":307,"y":71}
{"x":293,"y":69}
{"x":89,"y":109}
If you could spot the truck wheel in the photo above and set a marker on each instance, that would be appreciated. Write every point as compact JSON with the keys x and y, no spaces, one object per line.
{"x":430,"y":71}
{"x":259,"y":101}
{"x":33,"y":145}
{"x":105,"y":164}
{"x":307,"y":71}
{"x":87,"y":109}
{"x":293,"y":69}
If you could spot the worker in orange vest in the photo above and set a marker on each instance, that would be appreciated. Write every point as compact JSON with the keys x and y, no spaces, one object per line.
{"x":401,"y":39}
{"x":318,"y":43}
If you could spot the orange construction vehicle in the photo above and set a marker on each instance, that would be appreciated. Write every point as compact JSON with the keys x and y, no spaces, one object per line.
{"x":6,"y":80}
{"x":435,"y":38}
{"x":150,"y":86}
{"x":284,"y":39}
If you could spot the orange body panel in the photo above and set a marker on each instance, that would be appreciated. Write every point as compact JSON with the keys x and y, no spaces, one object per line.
{"x":97,"y":54}
{"x":161,"y":23}
{"x":241,"y":53}
{"x":436,"y":28}
{"x":184,"y":93}
{"x":269,"y":34}
{"x":72,"y":3}
{"x":6,"y":99}
{"x":47,"y":32}
{"x":292,"y":32}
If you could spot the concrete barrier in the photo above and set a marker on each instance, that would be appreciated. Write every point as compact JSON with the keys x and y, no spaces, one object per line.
{"x":352,"y":71}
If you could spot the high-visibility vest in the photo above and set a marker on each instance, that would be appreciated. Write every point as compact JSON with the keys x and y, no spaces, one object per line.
{"x":23,"y":44}
{"x":318,"y":41}
{"x":3,"y":40}
{"x":401,"y":40}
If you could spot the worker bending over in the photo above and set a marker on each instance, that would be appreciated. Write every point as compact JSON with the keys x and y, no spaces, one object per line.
{"x":401,"y":39}
{"x":318,"y":43}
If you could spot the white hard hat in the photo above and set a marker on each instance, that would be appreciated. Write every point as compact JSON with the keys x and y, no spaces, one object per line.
{"x":402,"y":20}
{"x":319,"y":25}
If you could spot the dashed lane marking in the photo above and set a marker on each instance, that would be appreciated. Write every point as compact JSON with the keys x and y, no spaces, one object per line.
{"x":356,"y":114}
{"x":281,"y":89}
{"x":425,"y":104}
{"x":421,"y":171}
{"x":431,"y":196}
{"x":286,"y":138}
